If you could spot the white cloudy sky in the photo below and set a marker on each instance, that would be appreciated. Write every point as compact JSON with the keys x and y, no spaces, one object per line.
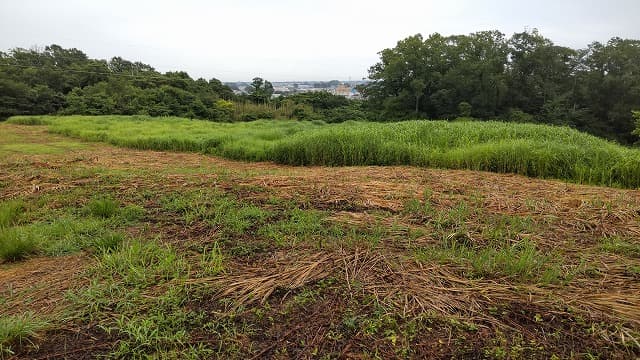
{"x":291,"y":39}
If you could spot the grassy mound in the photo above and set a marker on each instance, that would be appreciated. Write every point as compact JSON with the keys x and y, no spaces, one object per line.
{"x":527,"y":149}
{"x":533,"y":150}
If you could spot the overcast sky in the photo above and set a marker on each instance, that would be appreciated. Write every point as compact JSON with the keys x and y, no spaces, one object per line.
{"x":282,"y":40}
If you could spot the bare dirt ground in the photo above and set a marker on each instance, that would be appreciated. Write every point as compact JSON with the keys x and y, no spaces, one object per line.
{"x":568,"y":220}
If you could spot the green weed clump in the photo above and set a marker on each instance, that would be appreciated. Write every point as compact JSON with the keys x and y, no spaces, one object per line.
{"x":103,"y":208}
{"x":108,"y":242}
{"x":129,"y":298}
{"x":143,"y":263}
{"x":17,"y":243}
{"x":533,"y":150}
{"x":17,"y":329}
{"x":10,"y":212}
{"x":132,"y":213}
{"x":297,"y":226}
{"x":232,"y":217}
{"x":520,"y":260}
{"x":619,"y":246}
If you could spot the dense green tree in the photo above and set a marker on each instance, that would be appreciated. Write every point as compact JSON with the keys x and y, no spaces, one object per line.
{"x":433,"y":76}
{"x":404,"y":75}
{"x":608,"y":85}
{"x":260,"y":90}
{"x":539,"y":73}
{"x":14,"y":98}
{"x":522,"y":78}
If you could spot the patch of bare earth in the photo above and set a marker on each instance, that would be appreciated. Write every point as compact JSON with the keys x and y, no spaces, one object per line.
{"x":39,"y":285}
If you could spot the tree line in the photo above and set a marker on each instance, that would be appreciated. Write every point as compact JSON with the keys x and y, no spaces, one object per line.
{"x":524,"y":78}
{"x":55,"y":80}
{"x":66,"y":81}
{"x":484,"y":75}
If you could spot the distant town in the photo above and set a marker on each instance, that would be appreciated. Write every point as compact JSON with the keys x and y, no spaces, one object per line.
{"x":347,"y":89}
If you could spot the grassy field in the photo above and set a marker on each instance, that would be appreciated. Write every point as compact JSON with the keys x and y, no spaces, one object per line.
{"x":120,"y":253}
{"x":533,"y":150}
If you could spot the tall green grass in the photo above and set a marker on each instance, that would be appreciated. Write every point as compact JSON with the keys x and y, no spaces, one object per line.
{"x":16,"y":244}
{"x":10,"y":212}
{"x":527,"y":149}
{"x":250,"y":141}
{"x":533,"y":150}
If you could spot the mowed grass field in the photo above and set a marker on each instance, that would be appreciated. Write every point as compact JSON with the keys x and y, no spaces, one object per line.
{"x":119,"y":253}
{"x":533,"y":150}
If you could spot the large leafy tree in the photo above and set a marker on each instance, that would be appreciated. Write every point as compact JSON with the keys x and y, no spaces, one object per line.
{"x":539,"y":72}
{"x":404,"y":75}
{"x":260,"y":90}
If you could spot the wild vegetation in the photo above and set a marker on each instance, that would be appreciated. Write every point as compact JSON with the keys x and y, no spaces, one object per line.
{"x":55,"y":80}
{"x":523,"y":78}
{"x":153,"y":248}
{"x":527,"y":149}
{"x":175,"y":255}
{"x":484,"y":75}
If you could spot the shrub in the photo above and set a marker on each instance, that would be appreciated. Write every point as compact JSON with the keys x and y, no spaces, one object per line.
{"x":464,"y":109}
{"x":223,"y":110}
{"x":344,"y":113}
{"x":518,"y":116}
{"x":304,"y":112}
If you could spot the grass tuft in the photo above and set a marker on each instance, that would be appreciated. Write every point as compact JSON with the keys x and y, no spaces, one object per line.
{"x":619,"y":246}
{"x":10,"y":212}
{"x":143,"y":263}
{"x":17,"y":329}
{"x":212,"y":260}
{"x":132,"y":213}
{"x":520,"y":260}
{"x":104,"y":207}
{"x":108,"y":242}
{"x":16,"y":244}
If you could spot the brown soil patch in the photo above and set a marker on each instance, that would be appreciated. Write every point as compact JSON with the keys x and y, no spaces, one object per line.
{"x":39,"y":285}
{"x":76,"y":342}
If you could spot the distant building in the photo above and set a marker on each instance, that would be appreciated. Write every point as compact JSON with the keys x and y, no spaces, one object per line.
{"x":281,"y":89}
{"x":343,"y":90}
{"x":347,"y":91}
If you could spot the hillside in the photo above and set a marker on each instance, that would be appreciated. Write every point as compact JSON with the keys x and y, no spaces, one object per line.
{"x":541,"y":151}
{"x":123,"y":252}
